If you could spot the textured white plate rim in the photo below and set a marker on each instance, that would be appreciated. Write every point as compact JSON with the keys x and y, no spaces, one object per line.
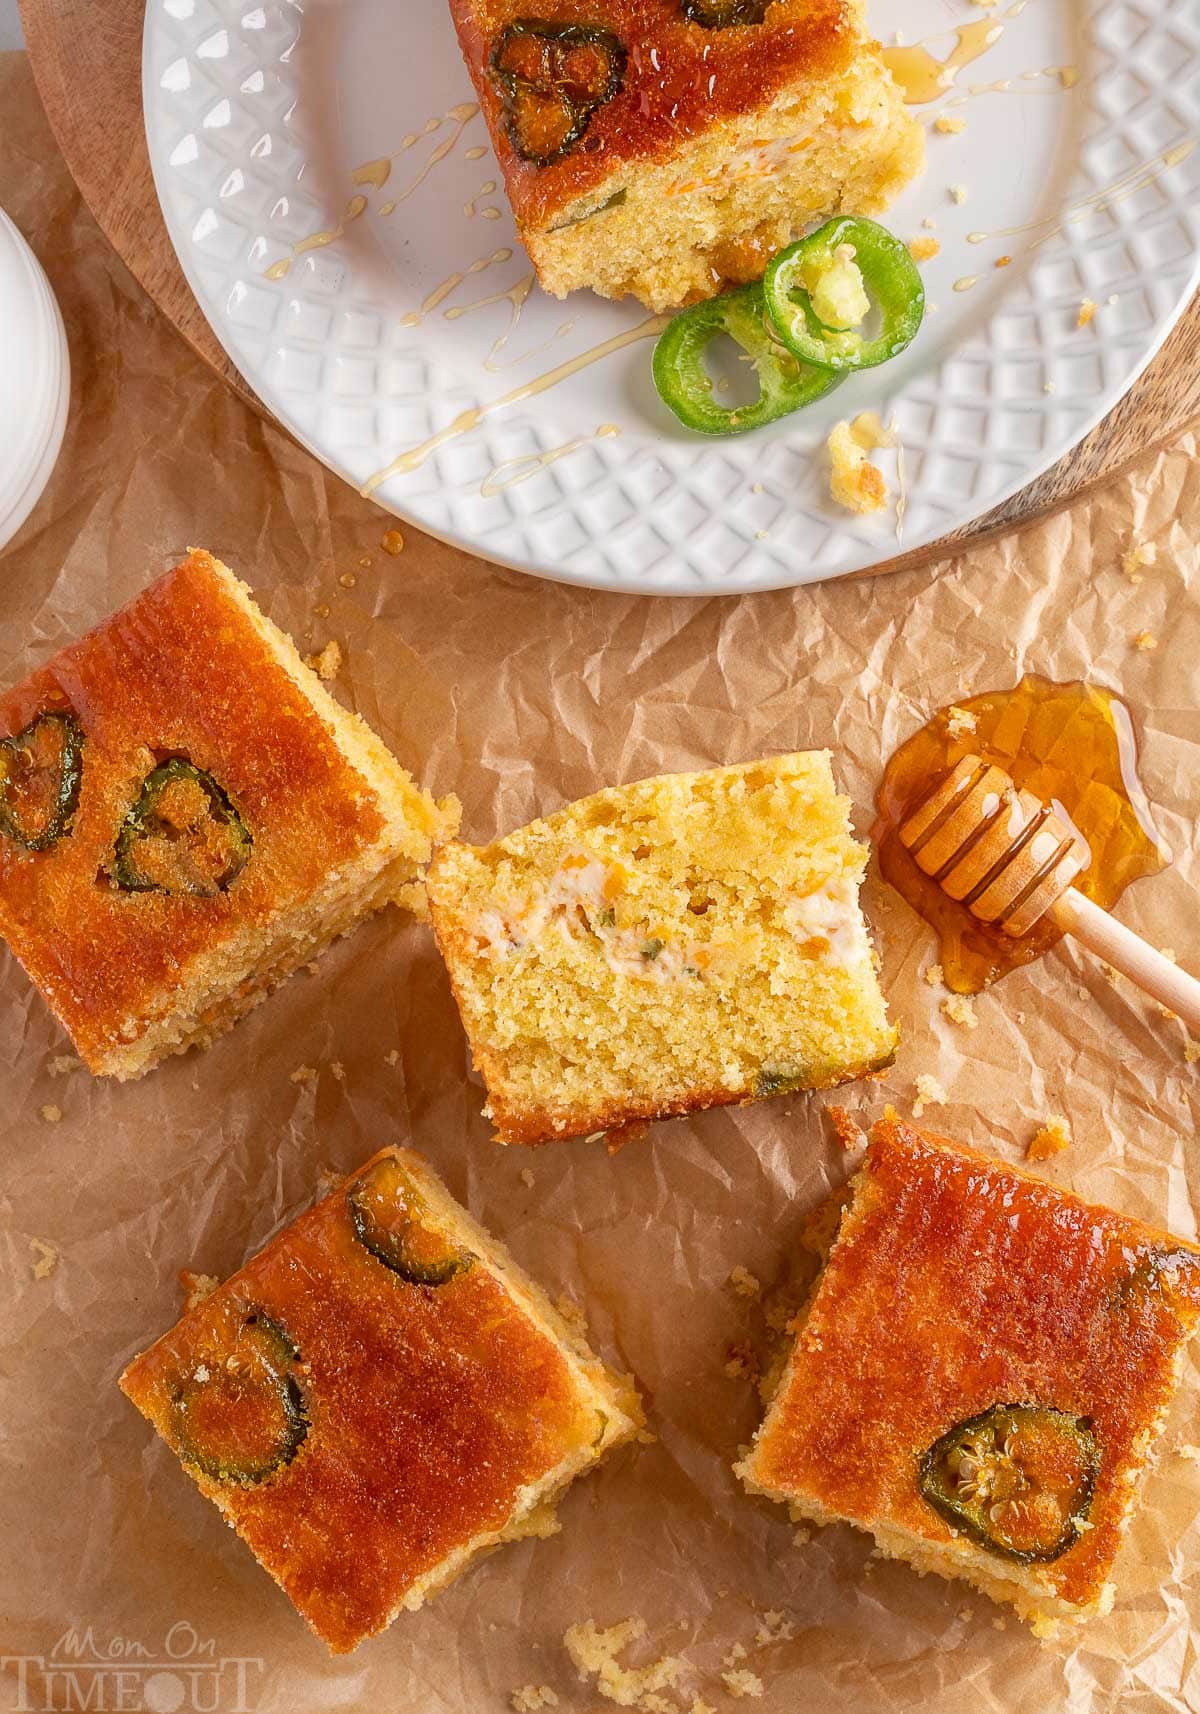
{"x":779,"y":576}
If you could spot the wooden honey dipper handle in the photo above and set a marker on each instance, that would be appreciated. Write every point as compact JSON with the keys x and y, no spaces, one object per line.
{"x":1010,"y":860}
{"x":1130,"y":954}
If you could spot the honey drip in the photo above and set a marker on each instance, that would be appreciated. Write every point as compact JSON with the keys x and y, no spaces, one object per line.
{"x":1073,"y":746}
{"x":923,"y":77}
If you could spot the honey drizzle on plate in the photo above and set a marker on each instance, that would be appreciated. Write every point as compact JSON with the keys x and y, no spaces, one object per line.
{"x":923,"y":77}
{"x":514,"y":471}
{"x":1073,"y":746}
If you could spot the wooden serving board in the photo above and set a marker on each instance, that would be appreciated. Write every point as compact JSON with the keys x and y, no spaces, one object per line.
{"x":87,"y":62}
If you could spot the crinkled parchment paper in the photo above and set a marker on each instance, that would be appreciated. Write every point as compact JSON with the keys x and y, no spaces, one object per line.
{"x":518,"y":695}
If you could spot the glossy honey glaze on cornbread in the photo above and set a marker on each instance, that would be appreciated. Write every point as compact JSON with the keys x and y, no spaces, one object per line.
{"x":180,"y":671}
{"x":679,"y":79}
{"x":428,"y":1410}
{"x":957,"y":1283}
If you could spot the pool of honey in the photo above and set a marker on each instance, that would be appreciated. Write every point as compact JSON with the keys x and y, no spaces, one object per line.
{"x":1073,"y":746}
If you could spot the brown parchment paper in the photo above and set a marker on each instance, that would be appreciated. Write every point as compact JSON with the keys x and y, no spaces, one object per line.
{"x":519,"y":695}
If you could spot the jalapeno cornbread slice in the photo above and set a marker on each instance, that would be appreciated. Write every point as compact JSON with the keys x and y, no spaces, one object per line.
{"x":979,"y":1375}
{"x":665,"y":148}
{"x":377,"y":1397}
{"x":187,"y":815}
{"x":685,"y":942}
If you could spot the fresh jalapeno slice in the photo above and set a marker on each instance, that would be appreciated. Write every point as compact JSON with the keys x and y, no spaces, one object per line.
{"x":722,"y":14}
{"x":41,"y":768}
{"x":552,"y":77}
{"x":239,"y":1415}
{"x":1017,"y":1479}
{"x":685,"y":387}
{"x":386,"y":1211}
{"x":182,"y":835}
{"x":820,"y":290}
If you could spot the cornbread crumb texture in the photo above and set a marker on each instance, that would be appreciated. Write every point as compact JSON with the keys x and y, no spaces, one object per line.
{"x":1087,"y":311}
{"x":923,"y":249}
{"x":854,"y":482}
{"x":529,"y":1698}
{"x":327,"y":662}
{"x":1137,"y":555}
{"x":741,"y":1682}
{"x":679,"y":943}
{"x":1049,"y":1139}
{"x":743,"y":1282}
{"x":377,"y":1397}
{"x":934,"y":975}
{"x":595,"y":1654}
{"x":949,"y":124}
{"x":929,"y":1093}
{"x":716,"y":147}
{"x":960,"y":722}
{"x":231,"y":819}
{"x":960,"y":1009}
{"x":44,"y":1258}
{"x":960,"y":1292}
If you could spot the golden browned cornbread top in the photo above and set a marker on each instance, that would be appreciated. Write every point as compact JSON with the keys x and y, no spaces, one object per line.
{"x":959,"y":1283}
{"x":429,"y":1408}
{"x":180,"y":670}
{"x":679,"y":79}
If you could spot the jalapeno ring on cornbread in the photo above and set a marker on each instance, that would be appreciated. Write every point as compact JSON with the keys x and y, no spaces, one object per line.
{"x":41,"y":768}
{"x":553,"y":78}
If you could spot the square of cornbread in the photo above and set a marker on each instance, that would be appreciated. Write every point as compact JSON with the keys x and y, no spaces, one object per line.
{"x":664,"y":148}
{"x":187,"y":815}
{"x":683,"y":942}
{"x":378,"y":1397}
{"x":979,"y":1375}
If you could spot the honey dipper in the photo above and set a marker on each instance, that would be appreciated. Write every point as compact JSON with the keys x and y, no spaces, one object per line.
{"x":1011,"y":860}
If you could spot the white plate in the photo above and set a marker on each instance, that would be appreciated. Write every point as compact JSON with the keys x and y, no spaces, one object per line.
{"x":259,"y":115}
{"x":35,"y":380}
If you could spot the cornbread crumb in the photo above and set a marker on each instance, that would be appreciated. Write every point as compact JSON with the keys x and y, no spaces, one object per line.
{"x":392,"y":1056}
{"x":196,"y":1287}
{"x":846,"y":1129}
{"x":801,"y":1537}
{"x":527,"y":1178}
{"x":742,"y":1683}
{"x":949,"y":124}
{"x":736,"y":1653}
{"x":594,"y":1653}
{"x":701,"y":1707}
{"x":1137,"y":555}
{"x":775,"y":1628}
{"x":744,"y":1282}
{"x":959,"y":721}
{"x":929,"y":1093}
{"x":854,"y":482}
{"x":528,"y":1698}
{"x":338,"y":1070}
{"x":1049,"y":1139}
{"x":1145,"y":640}
{"x":741,"y":1363}
{"x":572,"y":1314}
{"x":960,"y":1009}
{"x":327,"y":662}
{"x":1003,"y":261}
{"x":45,"y":1258}
{"x":958,"y":193}
{"x":303,"y":1074}
{"x":1087,"y":310}
{"x":922,"y":249}
{"x":51,"y":1114}
{"x":1189,"y":1451}
{"x":1191,"y":1051}
{"x":1110,"y":973}
{"x":62,"y":1063}
{"x":934,"y":975}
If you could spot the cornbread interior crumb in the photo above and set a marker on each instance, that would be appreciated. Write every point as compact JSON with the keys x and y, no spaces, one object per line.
{"x":529,"y":1698}
{"x":595,"y":1654}
{"x":854,"y":482}
{"x":744,"y":1283}
{"x":1050,"y":1139}
{"x":960,"y":1009}
{"x":929,"y":1093}
{"x":740,"y":1682}
{"x":679,"y":943}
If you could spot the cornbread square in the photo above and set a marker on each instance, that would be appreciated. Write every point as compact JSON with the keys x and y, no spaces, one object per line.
{"x":378,"y":1397}
{"x":186,"y":815}
{"x":685,"y":942}
{"x":980,"y":1374}
{"x":663,"y":148}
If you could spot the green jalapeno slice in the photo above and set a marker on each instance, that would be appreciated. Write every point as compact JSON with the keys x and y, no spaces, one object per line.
{"x":552,"y":78}
{"x":41,"y":769}
{"x":722,"y":14}
{"x":685,"y":387}
{"x":1017,"y":1479}
{"x":182,"y":835}
{"x":239,"y":1415}
{"x":386,"y":1211}
{"x":819,"y":290}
